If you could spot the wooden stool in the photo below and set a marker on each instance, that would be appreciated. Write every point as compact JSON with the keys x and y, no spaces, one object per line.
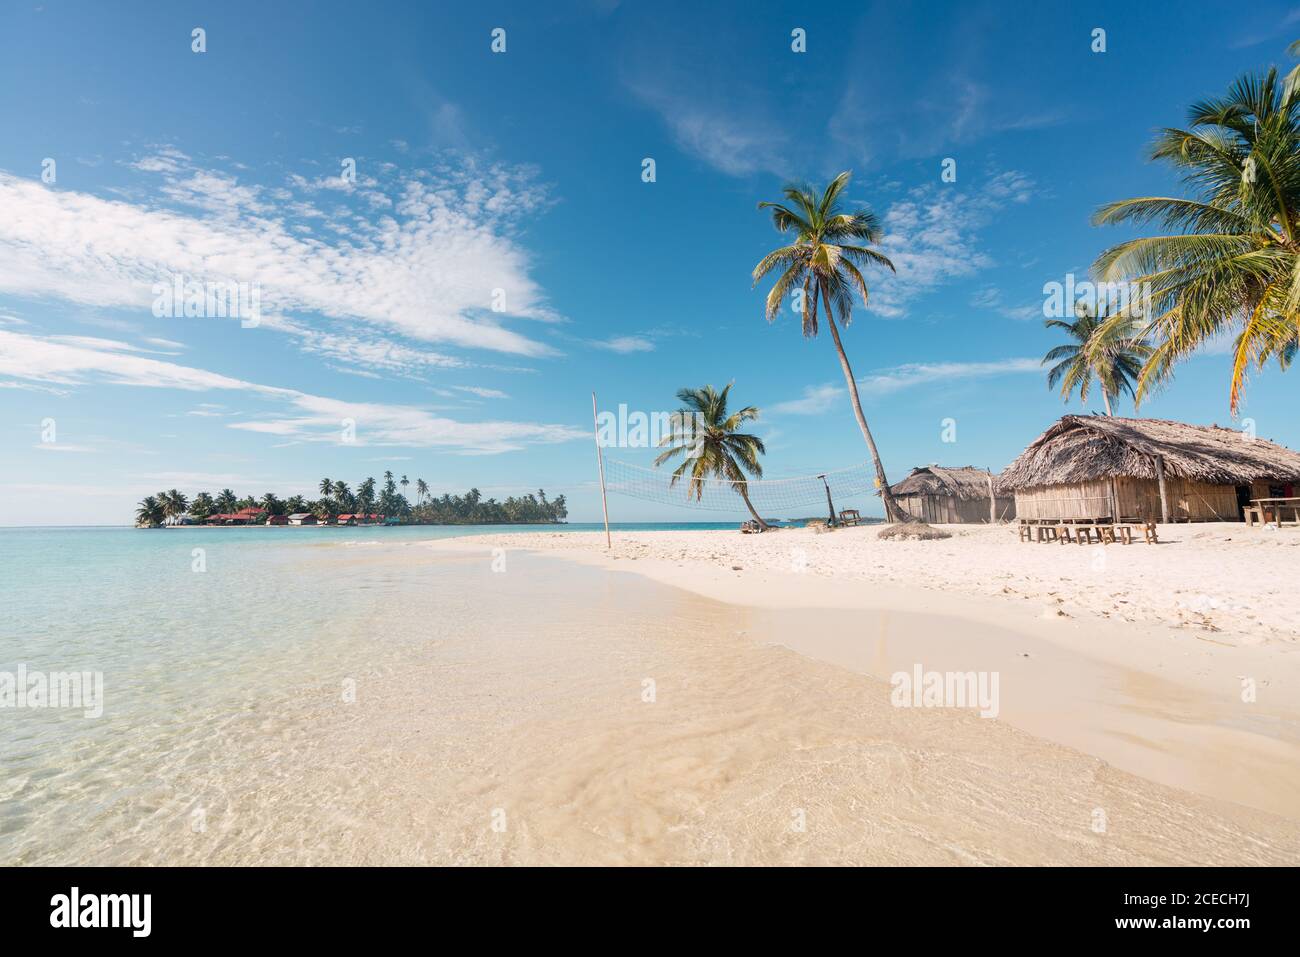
{"x":1125,"y":533}
{"x":1107,"y":533}
{"x":1026,"y":532}
{"x":1065,"y":535}
{"x":1149,"y":533}
{"x":1083,"y":534}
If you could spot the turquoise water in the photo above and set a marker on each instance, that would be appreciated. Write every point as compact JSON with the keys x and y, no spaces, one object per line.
{"x":212,"y":644}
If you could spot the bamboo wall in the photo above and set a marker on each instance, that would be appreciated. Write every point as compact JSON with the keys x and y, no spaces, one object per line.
{"x":1138,"y":498}
{"x":948,"y":510}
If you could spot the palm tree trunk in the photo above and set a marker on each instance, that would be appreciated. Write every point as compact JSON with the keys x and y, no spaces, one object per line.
{"x":892,"y":512}
{"x":1105,"y":397}
{"x":740,"y":487}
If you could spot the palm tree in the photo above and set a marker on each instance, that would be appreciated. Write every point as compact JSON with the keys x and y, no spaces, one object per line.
{"x":149,"y":512}
{"x":270,"y":504}
{"x":342,"y":495}
{"x":707,"y":436}
{"x":1229,"y":255}
{"x":326,"y":487}
{"x":1112,"y":356}
{"x":366,"y":495}
{"x":174,"y":504}
{"x":202,"y":505}
{"x":404,"y":482}
{"x":226,"y":501}
{"x":821,"y":265}
{"x":421,"y":489}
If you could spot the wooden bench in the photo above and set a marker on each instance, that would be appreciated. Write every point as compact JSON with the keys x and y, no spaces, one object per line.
{"x":850,"y":516}
{"x":1082,"y":532}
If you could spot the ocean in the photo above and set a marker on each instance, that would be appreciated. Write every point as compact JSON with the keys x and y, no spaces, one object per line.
{"x":211,"y":650}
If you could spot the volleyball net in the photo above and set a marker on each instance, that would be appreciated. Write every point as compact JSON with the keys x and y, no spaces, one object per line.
{"x":772,"y":498}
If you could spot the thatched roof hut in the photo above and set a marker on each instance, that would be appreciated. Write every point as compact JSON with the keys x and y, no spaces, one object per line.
{"x":1092,"y":466}
{"x":937,"y":494}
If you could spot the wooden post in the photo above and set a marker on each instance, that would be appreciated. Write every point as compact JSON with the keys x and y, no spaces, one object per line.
{"x":993,"y":500}
{"x":600,"y":462}
{"x":1164,"y":491}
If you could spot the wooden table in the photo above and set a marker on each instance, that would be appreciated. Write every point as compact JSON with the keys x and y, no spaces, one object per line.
{"x":1262,"y":511}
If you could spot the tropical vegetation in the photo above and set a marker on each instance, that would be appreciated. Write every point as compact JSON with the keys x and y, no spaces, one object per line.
{"x":1110,"y":357}
{"x":711,"y":445}
{"x":822,"y":267}
{"x":370,"y":498}
{"x":1227,"y":260}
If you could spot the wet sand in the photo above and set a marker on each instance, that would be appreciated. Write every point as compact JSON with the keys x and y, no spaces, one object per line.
{"x":1164,"y":703}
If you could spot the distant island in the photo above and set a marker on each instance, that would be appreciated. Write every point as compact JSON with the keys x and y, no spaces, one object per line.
{"x":369,"y":504}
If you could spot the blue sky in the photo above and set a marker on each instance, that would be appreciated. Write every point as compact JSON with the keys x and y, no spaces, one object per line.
{"x":519,"y":175}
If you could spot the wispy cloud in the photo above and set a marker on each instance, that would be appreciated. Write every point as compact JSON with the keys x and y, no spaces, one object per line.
{"x":311,"y":418}
{"x":816,"y":400}
{"x":718,"y":133}
{"x":886,"y":381}
{"x":440,"y":263}
{"x":990,"y":298}
{"x":932,"y":237}
{"x":623,"y":344}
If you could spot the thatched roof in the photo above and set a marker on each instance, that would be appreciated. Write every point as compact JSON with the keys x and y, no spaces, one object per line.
{"x":963,"y":483}
{"x":1081,"y":448}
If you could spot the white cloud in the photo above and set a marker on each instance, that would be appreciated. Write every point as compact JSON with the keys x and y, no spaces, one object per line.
{"x":427,"y":270}
{"x":732,"y":137}
{"x":906,"y":376}
{"x":990,"y":298}
{"x":816,"y":400}
{"x":624,"y":344}
{"x":30,"y":359}
{"x":932,"y":237}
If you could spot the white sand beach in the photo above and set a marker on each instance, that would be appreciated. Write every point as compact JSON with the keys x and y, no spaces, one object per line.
{"x":1216,"y":580}
{"x":1139,"y":656}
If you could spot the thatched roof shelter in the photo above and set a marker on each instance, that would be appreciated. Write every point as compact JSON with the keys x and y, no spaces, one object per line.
{"x":933,"y":493}
{"x":963,"y":483}
{"x":1085,"y":448}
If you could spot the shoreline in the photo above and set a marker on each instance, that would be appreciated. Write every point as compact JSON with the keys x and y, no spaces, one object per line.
{"x":1158,"y":701}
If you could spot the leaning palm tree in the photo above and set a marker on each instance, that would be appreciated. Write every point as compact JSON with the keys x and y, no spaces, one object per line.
{"x":1229,"y":259}
{"x":706,"y":435}
{"x":821,"y":267}
{"x":1110,"y":356}
{"x":421,"y":489}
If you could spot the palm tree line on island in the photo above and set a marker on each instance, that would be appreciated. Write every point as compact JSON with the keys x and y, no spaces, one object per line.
{"x":370,"y":503}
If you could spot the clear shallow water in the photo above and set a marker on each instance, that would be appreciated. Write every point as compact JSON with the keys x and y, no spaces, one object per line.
{"x":195,"y":632}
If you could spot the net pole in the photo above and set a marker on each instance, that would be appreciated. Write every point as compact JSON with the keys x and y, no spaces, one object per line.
{"x":600,"y":463}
